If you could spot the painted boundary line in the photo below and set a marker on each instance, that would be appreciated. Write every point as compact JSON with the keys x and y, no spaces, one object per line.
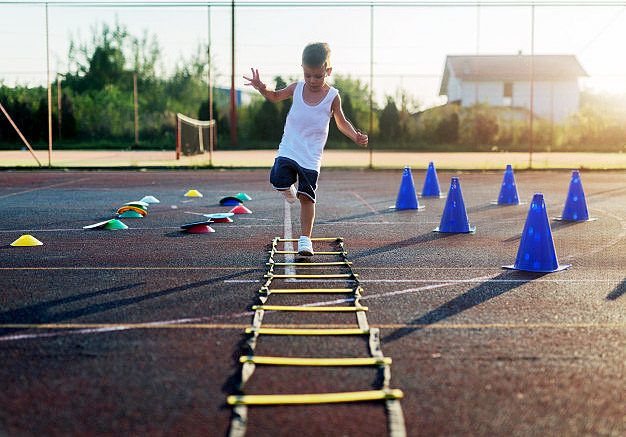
{"x":447,"y":281}
{"x":45,"y":187}
{"x":370,"y":207}
{"x":131,"y":268}
{"x":193,"y":323}
{"x":101,"y":327}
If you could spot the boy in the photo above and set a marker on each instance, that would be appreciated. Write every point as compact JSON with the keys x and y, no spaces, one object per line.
{"x":299,"y":154}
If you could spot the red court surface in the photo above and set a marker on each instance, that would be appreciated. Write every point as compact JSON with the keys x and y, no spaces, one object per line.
{"x":139,"y":331}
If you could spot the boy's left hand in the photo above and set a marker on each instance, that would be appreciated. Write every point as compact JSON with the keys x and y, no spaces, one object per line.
{"x":361,"y":139}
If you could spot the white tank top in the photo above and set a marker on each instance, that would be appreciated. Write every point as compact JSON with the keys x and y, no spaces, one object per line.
{"x":306,"y":129}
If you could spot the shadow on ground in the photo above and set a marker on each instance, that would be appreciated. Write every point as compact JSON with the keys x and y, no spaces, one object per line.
{"x":430,"y":236}
{"x":44,"y":312}
{"x":480,"y":294}
{"x":619,"y":291}
{"x":357,"y":216}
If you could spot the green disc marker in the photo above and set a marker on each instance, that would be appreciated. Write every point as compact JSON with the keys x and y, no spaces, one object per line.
{"x":242,"y":197}
{"x":115,"y":224}
{"x":131,"y":214}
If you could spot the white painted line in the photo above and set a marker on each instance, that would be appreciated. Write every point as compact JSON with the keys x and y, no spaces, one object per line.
{"x":405,"y":291}
{"x":18,"y":231}
{"x":44,"y":187}
{"x":371,"y":208}
{"x":82,"y":230}
{"x":288,"y":245}
{"x":447,"y":281}
{"x":13,"y":337}
{"x":613,"y":242}
{"x":461,"y":281}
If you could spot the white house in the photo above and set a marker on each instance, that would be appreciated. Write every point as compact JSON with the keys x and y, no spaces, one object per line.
{"x":502,"y":80}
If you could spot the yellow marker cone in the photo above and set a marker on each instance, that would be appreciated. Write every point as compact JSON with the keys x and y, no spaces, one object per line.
{"x":193,"y":193}
{"x":26,"y":240}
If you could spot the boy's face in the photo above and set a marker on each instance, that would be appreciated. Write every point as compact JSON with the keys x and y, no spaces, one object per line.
{"x":315,"y":77}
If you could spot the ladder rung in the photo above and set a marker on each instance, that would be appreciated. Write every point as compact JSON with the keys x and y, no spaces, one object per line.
{"x":289,"y":361}
{"x":312,"y":239}
{"x":315,"y":398}
{"x":343,"y":275}
{"x":293,"y":252}
{"x":308,"y":290}
{"x":301,"y":308}
{"x":333,"y":263}
{"x":307,"y":331}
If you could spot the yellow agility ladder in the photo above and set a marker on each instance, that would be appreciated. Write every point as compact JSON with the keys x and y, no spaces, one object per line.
{"x":391,"y":397}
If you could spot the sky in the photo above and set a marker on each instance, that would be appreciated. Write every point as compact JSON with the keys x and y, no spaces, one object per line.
{"x":410,"y":44}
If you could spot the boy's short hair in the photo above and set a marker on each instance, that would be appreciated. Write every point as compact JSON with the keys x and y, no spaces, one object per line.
{"x":316,"y":54}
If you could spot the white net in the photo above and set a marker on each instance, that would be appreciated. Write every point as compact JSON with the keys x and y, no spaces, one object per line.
{"x":194,"y":137}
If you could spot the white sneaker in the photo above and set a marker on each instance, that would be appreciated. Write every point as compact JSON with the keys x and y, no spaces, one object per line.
{"x":305,"y":247}
{"x":290,"y":194}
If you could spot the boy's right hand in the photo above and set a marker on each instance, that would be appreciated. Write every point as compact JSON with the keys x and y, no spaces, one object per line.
{"x":361,"y":139}
{"x":255,"y":81}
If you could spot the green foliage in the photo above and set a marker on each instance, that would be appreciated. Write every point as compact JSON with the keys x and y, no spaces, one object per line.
{"x":390,"y":129}
{"x":98,"y":109}
{"x":97,"y":93}
{"x":334,"y":134}
{"x":28,"y":108}
{"x":358,"y":94}
{"x":597,"y":126}
{"x":479,"y":125}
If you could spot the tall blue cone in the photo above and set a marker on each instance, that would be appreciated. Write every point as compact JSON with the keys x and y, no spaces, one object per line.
{"x":407,"y":199}
{"x":454,"y":218}
{"x":575,"y":209}
{"x":431,"y":183}
{"x":508,"y":190}
{"x":536,"y":249}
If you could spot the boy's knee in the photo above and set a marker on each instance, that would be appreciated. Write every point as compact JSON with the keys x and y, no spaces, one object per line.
{"x":305,"y":199}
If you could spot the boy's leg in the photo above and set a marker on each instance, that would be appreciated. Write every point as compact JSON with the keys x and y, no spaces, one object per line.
{"x":306,"y":193}
{"x":282,"y":176}
{"x":307,"y":215}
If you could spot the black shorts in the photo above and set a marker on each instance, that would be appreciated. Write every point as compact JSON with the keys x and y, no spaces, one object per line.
{"x":286,"y":171}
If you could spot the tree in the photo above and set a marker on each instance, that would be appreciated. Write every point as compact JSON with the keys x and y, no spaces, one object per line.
{"x":448,"y":128}
{"x":68,"y":121}
{"x":269,"y":117}
{"x":100,"y":62}
{"x":333,"y":131}
{"x":390,"y":122}
{"x":486,"y":125}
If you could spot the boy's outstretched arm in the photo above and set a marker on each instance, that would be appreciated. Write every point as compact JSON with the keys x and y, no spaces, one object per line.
{"x":345,"y":126}
{"x":271,"y":95}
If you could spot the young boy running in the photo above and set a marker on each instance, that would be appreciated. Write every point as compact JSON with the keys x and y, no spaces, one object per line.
{"x":306,"y":131}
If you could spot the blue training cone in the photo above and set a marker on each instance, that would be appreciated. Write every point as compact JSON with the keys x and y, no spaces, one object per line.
{"x":407,"y":199}
{"x":508,"y":190}
{"x":536,"y":249}
{"x":454,"y":218}
{"x":575,"y":209}
{"x":431,"y":183}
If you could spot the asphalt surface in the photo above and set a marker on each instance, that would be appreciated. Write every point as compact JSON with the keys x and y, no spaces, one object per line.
{"x":477,"y":350}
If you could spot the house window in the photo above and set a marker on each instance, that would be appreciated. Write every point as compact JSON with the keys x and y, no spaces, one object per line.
{"x":507,"y":94}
